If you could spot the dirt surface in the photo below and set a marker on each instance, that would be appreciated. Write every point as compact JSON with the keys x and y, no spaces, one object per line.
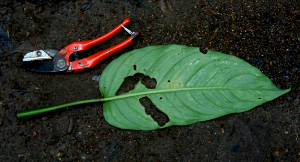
{"x":263,"y":33}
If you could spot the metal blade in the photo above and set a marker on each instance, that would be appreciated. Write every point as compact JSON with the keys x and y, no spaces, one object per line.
{"x":51,"y":52}
{"x":43,"y":66}
{"x":40,"y":55}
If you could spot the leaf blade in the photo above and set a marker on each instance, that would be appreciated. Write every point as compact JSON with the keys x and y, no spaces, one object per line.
{"x":191,"y":87}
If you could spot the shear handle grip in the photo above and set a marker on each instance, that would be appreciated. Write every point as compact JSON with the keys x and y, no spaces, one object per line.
{"x":91,"y":61}
{"x":84,"y":45}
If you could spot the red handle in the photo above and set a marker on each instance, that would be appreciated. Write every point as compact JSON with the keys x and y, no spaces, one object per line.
{"x":84,"y":45}
{"x":91,"y":61}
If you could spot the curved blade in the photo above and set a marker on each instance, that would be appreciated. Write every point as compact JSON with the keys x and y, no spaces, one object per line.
{"x":40,"y":55}
{"x":40,"y":66}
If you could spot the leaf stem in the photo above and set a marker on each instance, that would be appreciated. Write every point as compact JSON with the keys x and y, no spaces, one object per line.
{"x":36,"y":111}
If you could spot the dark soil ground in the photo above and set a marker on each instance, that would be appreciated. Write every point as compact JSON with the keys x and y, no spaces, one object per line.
{"x":263,"y":33}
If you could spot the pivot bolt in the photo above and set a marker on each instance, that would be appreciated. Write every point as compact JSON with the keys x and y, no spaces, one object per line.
{"x":61,"y":63}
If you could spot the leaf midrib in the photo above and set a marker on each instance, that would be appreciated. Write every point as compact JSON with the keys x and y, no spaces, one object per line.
{"x":156,"y":91}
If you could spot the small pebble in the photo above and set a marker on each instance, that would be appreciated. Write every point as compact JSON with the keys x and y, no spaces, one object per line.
{"x":96,"y":78}
{"x":71,"y":123}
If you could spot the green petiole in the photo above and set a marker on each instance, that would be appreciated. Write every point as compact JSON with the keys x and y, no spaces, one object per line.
{"x":36,"y":111}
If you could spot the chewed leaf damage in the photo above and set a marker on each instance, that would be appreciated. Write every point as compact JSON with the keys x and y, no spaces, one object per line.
{"x":150,"y":83}
{"x":189,"y":87}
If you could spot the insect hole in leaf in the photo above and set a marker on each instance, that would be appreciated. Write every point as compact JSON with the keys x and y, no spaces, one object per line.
{"x":130,"y":82}
{"x":150,"y":109}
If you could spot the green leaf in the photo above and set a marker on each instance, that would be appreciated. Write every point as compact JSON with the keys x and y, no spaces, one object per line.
{"x":191,"y":86}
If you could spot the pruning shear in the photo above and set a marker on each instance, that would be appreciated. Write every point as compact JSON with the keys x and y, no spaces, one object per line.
{"x":59,"y":61}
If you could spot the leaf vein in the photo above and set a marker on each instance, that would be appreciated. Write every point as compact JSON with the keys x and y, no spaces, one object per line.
{"x":219,"y":107}
{"x":167,"y":71}
{"x":187,"y":105}
{"x":128,"y":119}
